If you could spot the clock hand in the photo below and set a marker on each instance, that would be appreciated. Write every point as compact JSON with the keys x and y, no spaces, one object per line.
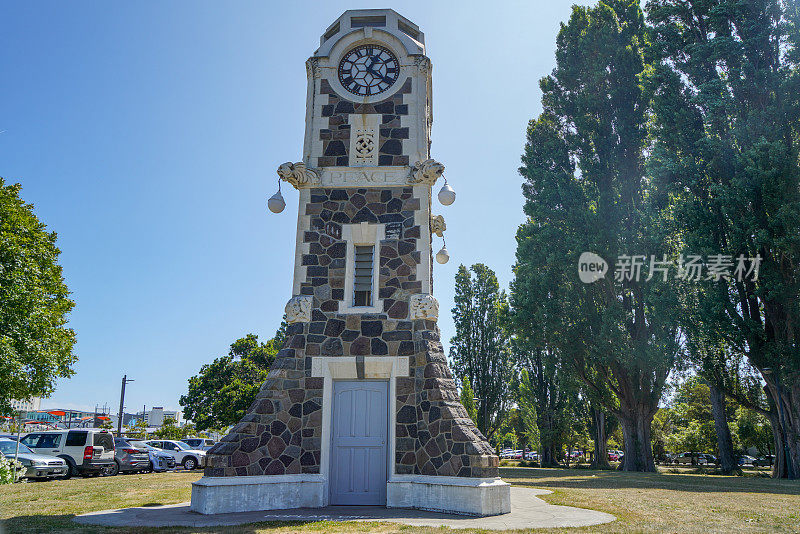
{"x":373,"y":59}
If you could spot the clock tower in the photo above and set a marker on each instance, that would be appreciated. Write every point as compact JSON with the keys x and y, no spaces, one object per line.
{"x":360,"y":406}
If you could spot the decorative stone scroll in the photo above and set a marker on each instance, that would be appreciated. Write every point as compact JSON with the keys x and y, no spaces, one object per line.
{"x":438,"y":226}
{"x":424,"y":307}
{"x":298,"y":175}
{"x":298,"y":309}
{"x":425,"y":172}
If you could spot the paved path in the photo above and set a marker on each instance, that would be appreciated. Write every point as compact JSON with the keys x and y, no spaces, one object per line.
{"x":527,"y":511}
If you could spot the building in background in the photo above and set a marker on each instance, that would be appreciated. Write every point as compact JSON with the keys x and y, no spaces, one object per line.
{"x":67,"y":418}
{"x":29,"y":405}
{"x":156,"y":416}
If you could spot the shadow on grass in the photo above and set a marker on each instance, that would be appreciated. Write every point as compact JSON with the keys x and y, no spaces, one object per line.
{"x":554,"y":478}
{"x":41,"y":524}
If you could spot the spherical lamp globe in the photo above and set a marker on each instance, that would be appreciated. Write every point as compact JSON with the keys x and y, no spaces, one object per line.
{"x":443,"y":256}
{"x":447,"y":195}
{"x":276,"y":203}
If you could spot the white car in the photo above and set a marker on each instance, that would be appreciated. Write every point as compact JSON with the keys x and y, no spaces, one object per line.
{"x":87,"y":451}
{"x":201,"y":444}
{"x":184,"y":454}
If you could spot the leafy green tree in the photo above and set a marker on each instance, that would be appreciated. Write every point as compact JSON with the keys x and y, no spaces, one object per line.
{"x":586,"y":191}
{"x":480,"y":349}
{"x":223,"y":390}
{"x":754,"y":430}
{"x":35,"y":344}
{"x":549,"y":386}
{"x":693,"y":424}
{"x":169,"y":430}
{"x":139,"y":430}
{"x":468,"y":400}
{"x":527,"y":401}
{"x":727,"y":137}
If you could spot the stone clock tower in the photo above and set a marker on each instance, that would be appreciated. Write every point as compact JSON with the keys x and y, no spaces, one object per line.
{"x":360,"y":406}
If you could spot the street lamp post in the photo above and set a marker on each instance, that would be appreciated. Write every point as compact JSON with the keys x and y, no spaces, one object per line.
{"x":125,"y":380}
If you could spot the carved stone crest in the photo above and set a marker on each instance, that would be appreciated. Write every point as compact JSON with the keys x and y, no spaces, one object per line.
{"x":438,"y":226}
{"x":298,"y":309}
{"x":298,"y":175}
{"x":425,"y":172}
{"x":423,"y":307}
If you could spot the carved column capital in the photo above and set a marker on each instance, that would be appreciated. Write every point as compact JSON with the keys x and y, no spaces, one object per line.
{"x":312,"y":67}
{"x":422,"y":63}
{"x":423,"y":307}
{"x":298,"y":309}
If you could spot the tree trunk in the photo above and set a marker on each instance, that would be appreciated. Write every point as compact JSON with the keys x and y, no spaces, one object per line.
{"x":727,"y":461}
{"x":548,"y":457}
{"x":600,"y":459}
{"x":785,"y":429}
{"x":636,"y":423}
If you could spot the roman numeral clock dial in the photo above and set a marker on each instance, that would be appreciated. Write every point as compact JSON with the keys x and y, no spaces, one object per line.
{"x":368,"y":70}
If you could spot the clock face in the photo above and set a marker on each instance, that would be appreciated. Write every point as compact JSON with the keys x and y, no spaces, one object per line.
{"x":368,"y":70}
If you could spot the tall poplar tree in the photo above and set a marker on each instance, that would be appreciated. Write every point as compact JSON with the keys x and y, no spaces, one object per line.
{"x":585,"y":190}
{"x":728,"y":129}
{"x":480,"y":349}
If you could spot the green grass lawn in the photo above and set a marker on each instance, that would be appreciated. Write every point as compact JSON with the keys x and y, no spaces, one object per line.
{"x":668,"y":502}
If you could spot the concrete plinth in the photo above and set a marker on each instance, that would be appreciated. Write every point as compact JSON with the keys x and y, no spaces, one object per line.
{"x":455,"y":495}
{"x":222,"y":495}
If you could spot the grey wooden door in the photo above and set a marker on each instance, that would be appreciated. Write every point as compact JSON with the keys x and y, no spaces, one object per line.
{"x":358,"y":445}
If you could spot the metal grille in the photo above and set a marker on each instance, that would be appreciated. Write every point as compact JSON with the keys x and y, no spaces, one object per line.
{"x":362,"y":285}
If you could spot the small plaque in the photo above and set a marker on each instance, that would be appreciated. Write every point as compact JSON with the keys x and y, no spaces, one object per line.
{"x":394,"y":230}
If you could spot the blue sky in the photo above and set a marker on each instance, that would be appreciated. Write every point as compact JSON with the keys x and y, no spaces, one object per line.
{"x":147,"y":135}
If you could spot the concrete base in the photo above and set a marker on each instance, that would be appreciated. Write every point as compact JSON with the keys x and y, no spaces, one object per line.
{"x":221,"y":495}
{"x":454,"y":495}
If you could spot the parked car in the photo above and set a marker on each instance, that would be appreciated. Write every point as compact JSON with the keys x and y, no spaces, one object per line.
{"x":88,"y":451}
{"x":710,"y":459}
{"x":764,"y":461}
{"x":746,"y":460}
{"x":701,"y":458}
{"x":687,"y":458}
{"x":128,"y":458}
{"x":200,"y":444}
{"x":37,"y":466}
{"x":532,"y":455}
{"x":159,"y":460}
{"x":188,"y":457}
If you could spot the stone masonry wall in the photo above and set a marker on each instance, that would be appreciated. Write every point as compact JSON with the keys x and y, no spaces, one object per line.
{"x":282,"y":430}
{"x":336,"y":137}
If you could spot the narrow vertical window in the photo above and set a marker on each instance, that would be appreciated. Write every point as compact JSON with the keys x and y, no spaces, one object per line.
{"x":362,"y":285}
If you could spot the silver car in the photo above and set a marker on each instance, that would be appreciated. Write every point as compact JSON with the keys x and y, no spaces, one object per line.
{"x":37,"y":466}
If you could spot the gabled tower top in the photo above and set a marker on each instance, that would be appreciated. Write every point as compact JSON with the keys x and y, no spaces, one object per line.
{"x":379,"y":20}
